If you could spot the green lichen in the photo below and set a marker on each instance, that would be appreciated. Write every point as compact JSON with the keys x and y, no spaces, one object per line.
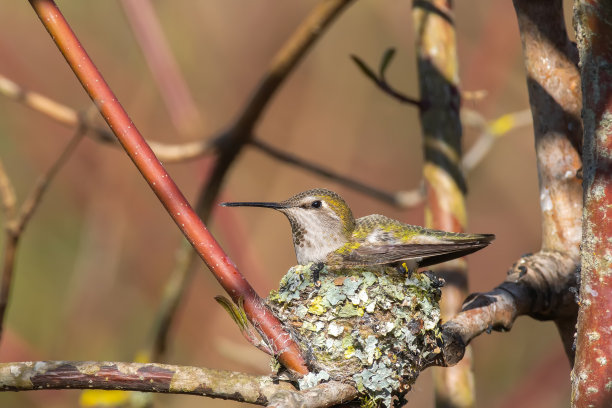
{"x":373,"y":328}
{"x":312,"y":379}
{"x":316,"y":306}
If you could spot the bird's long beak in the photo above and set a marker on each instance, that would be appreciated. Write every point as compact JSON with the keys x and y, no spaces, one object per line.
{"x":275,"y":206}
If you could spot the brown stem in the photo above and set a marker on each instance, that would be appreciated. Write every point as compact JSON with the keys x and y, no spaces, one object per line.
{"x":9,"y":253}
{"x":402,"y":199}
{"x":17,"y":220}
{"x":555,"y":99}
{"x":31,"y":202}
{"x":381,"y":82}
{"x":241,"y":132}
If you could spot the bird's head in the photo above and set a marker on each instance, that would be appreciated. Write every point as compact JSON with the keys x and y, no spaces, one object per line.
{"x":321,"y":221}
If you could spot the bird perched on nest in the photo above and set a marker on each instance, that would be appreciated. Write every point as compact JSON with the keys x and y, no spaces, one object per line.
{"x":325,"y":232}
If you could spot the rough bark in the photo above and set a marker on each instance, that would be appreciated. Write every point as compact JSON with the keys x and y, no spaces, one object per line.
{"x":592,"y":374}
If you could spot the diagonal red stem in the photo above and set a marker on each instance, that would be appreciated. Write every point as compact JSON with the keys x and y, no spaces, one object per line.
{"x":164,"y":187}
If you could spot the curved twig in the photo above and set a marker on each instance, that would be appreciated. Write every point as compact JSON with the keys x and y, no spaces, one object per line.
{"x":381,"y":82}
{"x":65,"y":115}
{"x":241,"y":132}
{"x":542,"y":285}
{"x":489,"y":133}
{"x":401,"y":199}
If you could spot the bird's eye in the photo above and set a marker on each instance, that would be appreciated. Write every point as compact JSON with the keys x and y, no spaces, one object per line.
{"x":316,"y":204}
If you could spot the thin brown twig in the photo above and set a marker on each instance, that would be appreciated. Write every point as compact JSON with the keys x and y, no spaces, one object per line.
{"x":241,"y":132}
{"x":490,"y":132}
{"x":9,"y":203}
{"x":30,"y":204}
{"x":167,"y":152}
{"x":173,"y":294}
{"x":400,"y":199}
{"x":381,"y":81}
{"x":17,"y":219}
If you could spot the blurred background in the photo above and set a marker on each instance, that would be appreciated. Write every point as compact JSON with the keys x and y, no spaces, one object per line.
{"x":95,"y":258}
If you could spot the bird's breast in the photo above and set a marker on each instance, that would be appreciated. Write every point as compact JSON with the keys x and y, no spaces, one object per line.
{"x":314,"y":246}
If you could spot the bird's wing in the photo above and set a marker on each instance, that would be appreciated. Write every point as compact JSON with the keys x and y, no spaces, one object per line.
{"x":423,"y":254}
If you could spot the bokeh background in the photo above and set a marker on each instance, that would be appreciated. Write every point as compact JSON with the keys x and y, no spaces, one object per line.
{"x":97,"y":254}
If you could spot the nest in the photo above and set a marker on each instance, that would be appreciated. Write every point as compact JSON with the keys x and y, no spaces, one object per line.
{"x":373,"y":327}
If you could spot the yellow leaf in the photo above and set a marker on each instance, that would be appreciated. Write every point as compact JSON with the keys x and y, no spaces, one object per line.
{"x":102,"y":398}
{"x":502,"y":125}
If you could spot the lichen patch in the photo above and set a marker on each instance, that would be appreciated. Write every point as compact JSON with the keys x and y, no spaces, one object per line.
{"x":373,"y":328}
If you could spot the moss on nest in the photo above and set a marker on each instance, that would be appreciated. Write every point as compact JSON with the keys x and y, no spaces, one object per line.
{"x":373,"y":327}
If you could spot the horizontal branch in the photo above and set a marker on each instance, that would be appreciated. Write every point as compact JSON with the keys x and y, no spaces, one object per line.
{"x":402,"y":199}
{"x":65,"y":115}
{"x":166,"y":378}
{"x":161,"y":378}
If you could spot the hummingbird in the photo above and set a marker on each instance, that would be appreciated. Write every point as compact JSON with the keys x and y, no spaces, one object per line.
{"x":325,"y":232}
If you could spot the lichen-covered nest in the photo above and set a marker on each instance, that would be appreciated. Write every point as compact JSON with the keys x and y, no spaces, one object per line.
{"x":375,"y":328}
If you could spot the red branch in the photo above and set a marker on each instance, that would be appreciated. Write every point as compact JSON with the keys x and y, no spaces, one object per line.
{"x":592,"y":374}
{"x":164,"y":187}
